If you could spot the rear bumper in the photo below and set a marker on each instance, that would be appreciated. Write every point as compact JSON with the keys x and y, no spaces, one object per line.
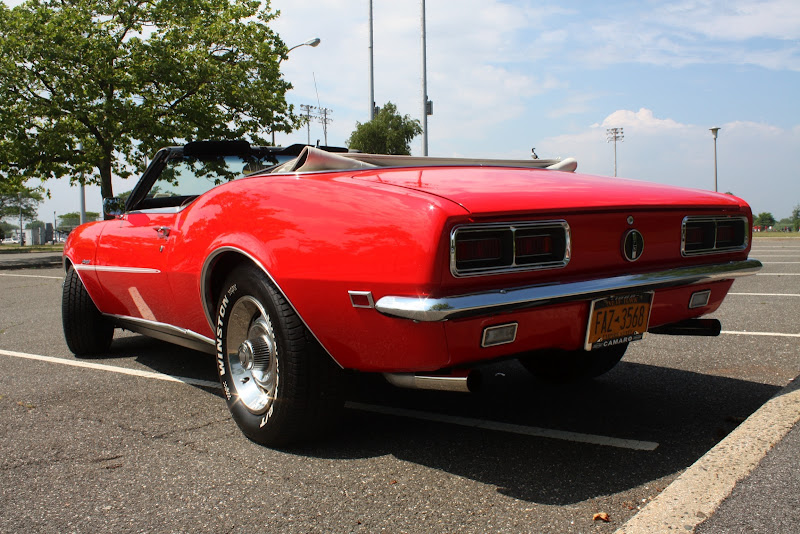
{"x":504,"y":300}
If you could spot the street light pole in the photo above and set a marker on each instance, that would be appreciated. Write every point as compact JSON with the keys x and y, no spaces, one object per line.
{"x":425,"y":105}
{"x":614,"y":134}
{"x":312,"y":43}
{"x":21,"y":230}
{"x":714,"y":133}
{"x":83,"y":190}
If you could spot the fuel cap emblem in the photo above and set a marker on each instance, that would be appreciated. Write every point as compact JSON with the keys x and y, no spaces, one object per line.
{"x":632,"y":245}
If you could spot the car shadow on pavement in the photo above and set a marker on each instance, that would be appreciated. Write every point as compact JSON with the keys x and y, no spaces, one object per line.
{"x":686,"y":413}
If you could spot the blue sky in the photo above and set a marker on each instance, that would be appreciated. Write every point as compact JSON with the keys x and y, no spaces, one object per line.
{"x":506,"y":76}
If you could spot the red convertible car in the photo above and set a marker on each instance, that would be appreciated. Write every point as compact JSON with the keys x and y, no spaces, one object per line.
{"x":295,"y":265}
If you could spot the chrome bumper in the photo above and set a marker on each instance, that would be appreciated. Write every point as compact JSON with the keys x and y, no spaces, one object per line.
{"x":504,"y":300}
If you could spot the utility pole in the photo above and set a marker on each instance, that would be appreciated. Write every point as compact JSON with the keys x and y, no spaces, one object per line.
{"x":317,"y":114}
{"x":324,"y":119}
{"x":614,"y":134}
{"x":307,"y":109}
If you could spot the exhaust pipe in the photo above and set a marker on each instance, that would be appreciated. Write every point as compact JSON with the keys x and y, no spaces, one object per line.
{"x":690,"y":327}
{"x":463,"y":381}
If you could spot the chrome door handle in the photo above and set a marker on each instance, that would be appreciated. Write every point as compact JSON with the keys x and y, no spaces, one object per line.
{"x":162,"y":231}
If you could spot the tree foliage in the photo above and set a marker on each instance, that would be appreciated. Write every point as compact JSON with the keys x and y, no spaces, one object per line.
{"x":764,"y":219}
{"x":68,"y":221}
{"x":122,"y":78}
{"x":387,"y":133}
{"x":13,"y":197}
{"x":796,"y":217}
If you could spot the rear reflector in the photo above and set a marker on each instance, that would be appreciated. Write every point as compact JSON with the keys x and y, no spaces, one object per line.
{"x":361,"y":299}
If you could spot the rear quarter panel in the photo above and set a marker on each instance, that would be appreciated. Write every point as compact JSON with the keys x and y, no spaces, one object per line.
{"x":318,"y":238}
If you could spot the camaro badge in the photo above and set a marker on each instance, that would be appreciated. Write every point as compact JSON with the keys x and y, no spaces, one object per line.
{"x":632,"y":245}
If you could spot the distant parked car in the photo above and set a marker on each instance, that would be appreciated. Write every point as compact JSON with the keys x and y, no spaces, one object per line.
{"x":293,"y":265}
{"x":11,"y":241}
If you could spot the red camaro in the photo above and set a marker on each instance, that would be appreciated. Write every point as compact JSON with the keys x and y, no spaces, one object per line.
{"x":292,"y":266}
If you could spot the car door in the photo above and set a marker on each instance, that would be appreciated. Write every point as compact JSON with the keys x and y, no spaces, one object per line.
{"x":132,"y":261}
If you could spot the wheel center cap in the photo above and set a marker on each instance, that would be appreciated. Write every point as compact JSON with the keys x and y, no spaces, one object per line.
{"x":246,"y":355}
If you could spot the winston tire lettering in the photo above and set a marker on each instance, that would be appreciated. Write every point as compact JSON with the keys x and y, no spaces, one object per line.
{"x":223,"y":308}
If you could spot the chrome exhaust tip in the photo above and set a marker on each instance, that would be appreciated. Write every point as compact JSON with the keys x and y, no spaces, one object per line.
{"x":463,"y":381}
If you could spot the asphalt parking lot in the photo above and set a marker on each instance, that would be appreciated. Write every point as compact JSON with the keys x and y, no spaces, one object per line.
{"x":141,"y":441}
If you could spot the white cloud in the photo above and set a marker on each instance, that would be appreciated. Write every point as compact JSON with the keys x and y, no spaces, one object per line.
{"x":756,"y":161}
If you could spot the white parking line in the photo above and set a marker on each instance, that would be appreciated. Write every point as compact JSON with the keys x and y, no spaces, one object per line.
{"x":563,"y":435}
{"x":113,"y":369}
{"x":767,"y":294}
{"x":426,"y":416}
{"x":767,"y":334}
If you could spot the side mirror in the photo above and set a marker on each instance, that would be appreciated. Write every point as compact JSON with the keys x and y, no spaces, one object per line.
{"x":113,"y":208}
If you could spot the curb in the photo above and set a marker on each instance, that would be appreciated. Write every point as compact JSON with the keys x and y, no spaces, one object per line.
{"x":41,"y":262}
{"x":697,"y":493}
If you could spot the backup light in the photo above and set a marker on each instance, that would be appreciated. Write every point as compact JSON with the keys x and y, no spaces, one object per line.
{"x":499,"y":335}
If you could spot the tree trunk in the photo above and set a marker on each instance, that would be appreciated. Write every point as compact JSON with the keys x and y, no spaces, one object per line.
{"x":106,"y":189}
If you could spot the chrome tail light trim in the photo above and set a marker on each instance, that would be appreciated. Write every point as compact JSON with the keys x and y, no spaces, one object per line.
{"x":715,"y":248}
{"x":561,"y":227}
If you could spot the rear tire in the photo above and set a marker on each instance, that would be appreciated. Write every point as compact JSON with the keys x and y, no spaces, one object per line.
{"x":281,"y":386}
{"x":562,"y":366}
{"x":86,"y":330}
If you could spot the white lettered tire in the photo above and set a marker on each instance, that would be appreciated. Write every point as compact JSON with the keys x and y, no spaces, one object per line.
{"x":280,"y":385}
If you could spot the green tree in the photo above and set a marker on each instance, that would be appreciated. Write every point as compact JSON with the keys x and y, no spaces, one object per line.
{"x":796,"y":217}
{"x":13,"y":196}
{"x":764,"y":219}
{"x":68,"y":221}
{"x":387,"y":133}
{"x":35,"y":224}
{"x":122,"y":78}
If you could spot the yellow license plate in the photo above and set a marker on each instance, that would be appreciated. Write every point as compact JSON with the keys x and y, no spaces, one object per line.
{"x":618,"y":319}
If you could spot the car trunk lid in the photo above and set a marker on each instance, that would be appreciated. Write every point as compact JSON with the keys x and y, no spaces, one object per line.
{"x":483,"y":190}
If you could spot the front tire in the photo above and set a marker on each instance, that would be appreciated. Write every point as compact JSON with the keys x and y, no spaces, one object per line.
{"x":562,"y":366}
{"x":86,"y":330}
{"x":280,"y":385}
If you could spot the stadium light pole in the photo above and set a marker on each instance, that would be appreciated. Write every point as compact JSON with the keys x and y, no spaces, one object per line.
{"x":371,"y":69}
{"x":614,"y":134}
{"x":714,"y":132}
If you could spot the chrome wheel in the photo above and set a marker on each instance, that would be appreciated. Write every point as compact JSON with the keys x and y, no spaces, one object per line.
{"x":252,"y":355}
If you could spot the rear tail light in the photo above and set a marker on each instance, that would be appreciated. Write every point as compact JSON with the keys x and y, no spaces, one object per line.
{"x":500,"y":248}
{"x":711,"y":235}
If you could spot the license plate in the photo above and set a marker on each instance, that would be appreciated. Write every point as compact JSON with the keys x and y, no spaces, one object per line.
{"x":618,"y":319}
